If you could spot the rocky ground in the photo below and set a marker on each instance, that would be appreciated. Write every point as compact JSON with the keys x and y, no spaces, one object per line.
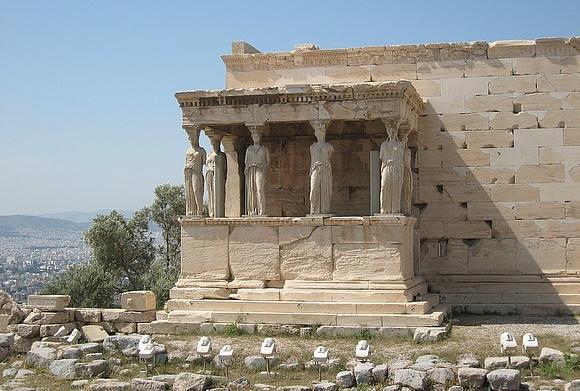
{"x":469,"y":359}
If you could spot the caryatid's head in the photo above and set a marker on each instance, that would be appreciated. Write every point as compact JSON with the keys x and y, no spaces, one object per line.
{"x":256,"y":137}
{"x":392,"y":132}
{"x":216,"y":144}
{"x":193,"y":135}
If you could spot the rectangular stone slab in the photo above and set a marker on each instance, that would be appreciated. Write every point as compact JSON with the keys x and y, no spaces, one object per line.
{"x":204,"y":252}
{"x":306,"y":253}
{"x":253,"y":253}
{"x":49,"y":302}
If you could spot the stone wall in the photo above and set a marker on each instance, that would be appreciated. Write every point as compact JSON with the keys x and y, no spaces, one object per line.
{"x":498,"y":161}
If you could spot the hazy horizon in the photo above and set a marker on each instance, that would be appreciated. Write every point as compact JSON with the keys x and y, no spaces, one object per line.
{"x":88,"y":118}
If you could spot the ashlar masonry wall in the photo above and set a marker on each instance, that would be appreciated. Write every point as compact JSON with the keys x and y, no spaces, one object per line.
{"x":498,"y":158}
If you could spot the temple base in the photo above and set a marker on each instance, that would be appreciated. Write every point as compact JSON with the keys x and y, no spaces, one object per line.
{"x":314,"y":270}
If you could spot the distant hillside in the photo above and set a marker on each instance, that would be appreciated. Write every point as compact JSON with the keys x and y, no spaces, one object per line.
{"x":83,"y":217}
{"x":16,"y":223}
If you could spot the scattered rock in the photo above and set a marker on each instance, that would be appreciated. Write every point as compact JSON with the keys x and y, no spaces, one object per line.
{"x":553,"y":356}
{"x":22,"y":345}
{"x":430,"y":334}
{"x":187,"y":381}
{"x":63,"y":369}
{"x":4,"y":352}
{"x":325,"y":386}
{"x":92,"y":369}
{"x":94,"y":333}
{"x":72,"y":352}
{"x":255,"y":362}
{"x":504,"y":379}
{"x":412,"y":378}
{"x":290,"y":366}
{"x":345,"y":379}
{"x":109,"y":385}
{"x":24,"y":373}
{"x":455,"y":388}
{"x":11,"y":308}
{"x":472,"y":377}
{"x":422,"y":366}
{"x":380,"y":373}
{"x":431,"y":358}
{"x":29,"y":330}
{"x":9,"y":372}
{"x":468,"y":360}
{"x":79,"y":383}
{"x":363,"y":373}
{"x":40,"y":357}
{"x":128,"y":345}
{"x":441,"y":375}
{"x":167,"y":379}
{"x":94,"y":356}
{"x":7,"y":341}
{"x":294,"y":388}
{"x":147,"y":385}
{"x":574,"y":385}
{"x":91,"y":347}
{"x":264,"y":387}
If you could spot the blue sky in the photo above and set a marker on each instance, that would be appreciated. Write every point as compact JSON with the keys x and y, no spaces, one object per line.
{"x":87,"y":114}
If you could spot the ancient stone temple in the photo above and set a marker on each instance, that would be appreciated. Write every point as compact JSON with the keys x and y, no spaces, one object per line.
{"x":383,"y":186}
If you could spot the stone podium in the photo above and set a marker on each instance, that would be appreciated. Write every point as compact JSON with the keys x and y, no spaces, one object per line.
{"x":285,"y":266}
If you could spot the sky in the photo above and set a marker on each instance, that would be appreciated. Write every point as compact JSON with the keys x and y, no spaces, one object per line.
{"x":88,"y":118}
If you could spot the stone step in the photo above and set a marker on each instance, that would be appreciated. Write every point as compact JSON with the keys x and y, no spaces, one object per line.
{"x":518,"y":309}
{"x":361,"y":320}
{"x":514,"y":298}
{"x":504,"y":284}
{"x":418,"y":307}
{"x":330,"y":295}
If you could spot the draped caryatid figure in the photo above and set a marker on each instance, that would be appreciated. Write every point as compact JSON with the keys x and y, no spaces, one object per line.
{"x":257,"y":162}
{"x":193,"y":171}
{"x":210,"y":174}
{"x":392,"y":170}
{"x":407,"y":190}
{"x":320,"y":170}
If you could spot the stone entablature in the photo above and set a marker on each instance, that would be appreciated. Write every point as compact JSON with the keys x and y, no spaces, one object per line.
{"x":302,"y":103}
{"x":402,"y":54}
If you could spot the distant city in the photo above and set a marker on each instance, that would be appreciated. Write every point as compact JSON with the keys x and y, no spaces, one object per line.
{"x":33,"y":249}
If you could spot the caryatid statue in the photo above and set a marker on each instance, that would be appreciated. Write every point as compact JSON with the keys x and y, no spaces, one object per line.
{"x":257,"y":162}
{"x":407,"y":191}
{"x":392,"y":170}
{"x":210,"y":174}
{"x":320,"y":170}
{"x":194,"y":161}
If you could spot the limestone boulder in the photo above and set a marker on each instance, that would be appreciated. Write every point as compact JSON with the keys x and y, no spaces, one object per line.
{"x":9,"y":372}
{"x":128,"y":345}
{"x":468,"y":360}
{"x":7,"y":341}
{"x":167,"y":379}
{"x":71,"y":353}
{"x":472,"y":377}
{"x":345,"y":379}
{"x":187,"y":381}
{"x":552,"y":356}
{"x":21,"y":344}
{"x":94,"y":333}
{"x":24,"y":373}
{"x":40,"y":357}
{"x":325,"y":386}
{"x":29,"y":330}
{"x":430,"y":334}
{"x":574,"y":385}
{"x":441,"y":375}
{"x":147,"y":385}
{"x":49,"y":302}
{"x":90,"y":347}
{"x":63,"y":369}
{"x":411,"y":378}
{"x":363,"y":373}
{"x":138,"y":301}
{"x":87,"y":315}
{"x":504,"y":379}
{"x":255,"y":362}
{"x":380,"y":373}
{"x":92,"y":369}
{"x":108,"y":385}
{"x":10,"y":308}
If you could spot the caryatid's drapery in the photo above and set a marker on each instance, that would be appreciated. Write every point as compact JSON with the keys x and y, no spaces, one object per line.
{"x":320,"y":170}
